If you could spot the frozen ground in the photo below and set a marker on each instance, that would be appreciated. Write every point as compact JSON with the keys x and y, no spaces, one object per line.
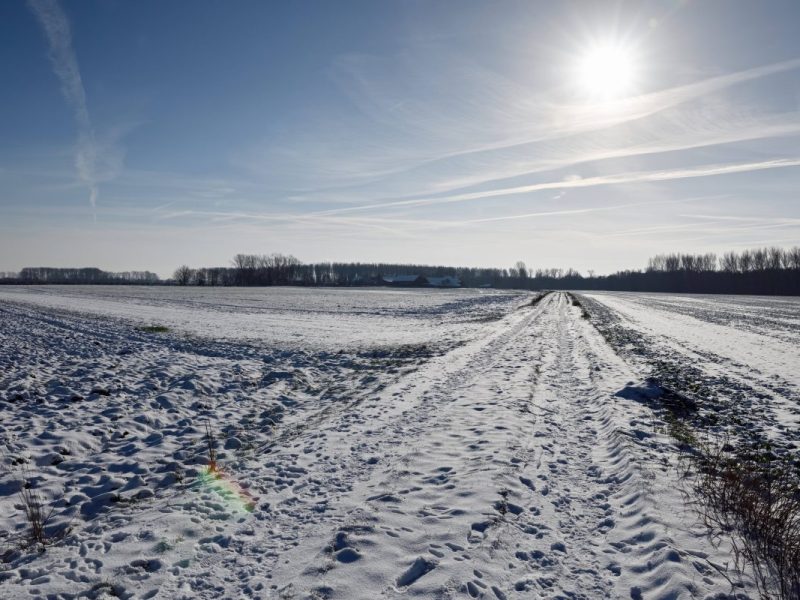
{"x":383,"y":444}
{"x":285,"y":317}
{"x":737,"y":356}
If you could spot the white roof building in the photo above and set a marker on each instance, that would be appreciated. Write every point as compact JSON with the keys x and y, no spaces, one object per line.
{"x":448,"y":281}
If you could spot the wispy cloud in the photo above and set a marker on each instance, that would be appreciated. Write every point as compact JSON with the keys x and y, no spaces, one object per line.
{"x":510,"y":115}
{"x":476,"y":127}
{"x":783,"y":220}
{"x":397,"y":225}
{"x":691,"y":134}
{"x":574,"y":211}
{"x":579,"y":117}
{"x":712,"y":226}
{"x":603,"y":180}
{"x":65,"y":64}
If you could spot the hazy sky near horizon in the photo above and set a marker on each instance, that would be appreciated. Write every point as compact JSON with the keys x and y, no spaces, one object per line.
{"x":143,"y":135}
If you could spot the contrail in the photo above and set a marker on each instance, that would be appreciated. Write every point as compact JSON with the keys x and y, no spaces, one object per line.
{"x":65,"y":65}
{"x":602,"y":180}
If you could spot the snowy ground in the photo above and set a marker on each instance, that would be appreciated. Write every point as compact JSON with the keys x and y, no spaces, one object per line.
{"x":372,"y":443}
{"x":738,"y":356}
{"x":285,"y":317}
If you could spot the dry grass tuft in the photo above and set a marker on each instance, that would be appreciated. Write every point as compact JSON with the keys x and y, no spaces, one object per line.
{"x":576,"y":302}
{"x":211,"y":444}
{"x":38,"y":517}
{"x":153,"y":328}
{"x":754,"y":497}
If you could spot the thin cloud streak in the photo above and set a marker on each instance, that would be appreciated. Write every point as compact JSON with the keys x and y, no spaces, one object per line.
{"x":562,"y":121}
{"x":516,"y":135}
{"x":580,"y":119}
{"x":695,"y":140}
{"x":707,"y":233}
{"x":698,"y":227}
{"x":733,"y":218}
{"x":604,"y":180}
{"x":638,"y":107}
{"x":385,"y":225}
{"x":393,"y":224}
{"x":65,"y":65}
{"x":576,"y":211}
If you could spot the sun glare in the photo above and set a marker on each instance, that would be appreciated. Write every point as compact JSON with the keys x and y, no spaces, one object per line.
{"x":606,"y":71}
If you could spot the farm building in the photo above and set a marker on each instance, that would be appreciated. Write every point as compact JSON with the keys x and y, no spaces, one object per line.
{"x":448,"y":281}
{"x":405,"y":280}
{"x":421,"y":281}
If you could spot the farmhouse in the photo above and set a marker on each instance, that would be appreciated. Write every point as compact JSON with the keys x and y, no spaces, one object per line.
{"x":421,"y":281}
{"x":449,"y":281}
{"x":405,"y":280}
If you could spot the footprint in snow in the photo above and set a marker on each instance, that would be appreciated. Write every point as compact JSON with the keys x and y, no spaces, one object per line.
{"x":421,"y":566}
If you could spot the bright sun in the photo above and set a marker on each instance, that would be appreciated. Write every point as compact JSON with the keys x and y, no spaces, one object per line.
{"x":606,"y":71}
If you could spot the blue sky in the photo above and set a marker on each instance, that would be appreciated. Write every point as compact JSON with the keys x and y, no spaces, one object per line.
{"x":143,"y":135}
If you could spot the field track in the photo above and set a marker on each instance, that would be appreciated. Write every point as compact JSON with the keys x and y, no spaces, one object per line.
{"x":504,"y":468}
{"x":497,"y":448}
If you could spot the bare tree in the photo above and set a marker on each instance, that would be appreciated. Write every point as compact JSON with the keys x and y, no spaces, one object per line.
{"x":729,"y":262}
{"x":182,"y":275}
{"x":794,"y":257}
{"x":775,"y":258}
{"x":746,"y":262}
{"x":656,"y":263}
{"x":760,"y":258}
{"x":672,"y":262}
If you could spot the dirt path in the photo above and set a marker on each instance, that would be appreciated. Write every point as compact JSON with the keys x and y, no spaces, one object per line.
{"x":518,"y":464}
{"x":507,"y":469}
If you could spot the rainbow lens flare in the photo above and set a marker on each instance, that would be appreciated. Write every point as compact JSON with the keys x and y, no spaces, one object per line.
{"x":234,"y":494}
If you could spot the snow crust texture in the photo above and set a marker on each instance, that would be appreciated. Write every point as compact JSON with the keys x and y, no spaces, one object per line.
{"x":736,"y":356}
{"x":285,"y":317}
{"x":384,"y":444}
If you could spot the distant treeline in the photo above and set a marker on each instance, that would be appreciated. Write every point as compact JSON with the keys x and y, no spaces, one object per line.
{"x":279,"y":269}
{"x":773,"y":271}
{"x":85,"y":275}
{"x":760,"y":271}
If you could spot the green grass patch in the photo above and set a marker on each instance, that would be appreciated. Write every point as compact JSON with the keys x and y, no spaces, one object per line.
{"x":154,"y":328}
{"x":680,"y":431}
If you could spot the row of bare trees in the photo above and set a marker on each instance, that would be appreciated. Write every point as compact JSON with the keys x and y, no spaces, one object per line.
{"x":85,"y":275}
{"x":759,"y":259}
{"x":693,"y":263}
{"x":280,"y":269}
{"x":265,"y":269}
{"x":759,"y":271}
{"x":247,"y":269}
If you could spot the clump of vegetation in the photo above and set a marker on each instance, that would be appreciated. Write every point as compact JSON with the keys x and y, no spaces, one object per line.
{"x":679,"y":430}
{"x":39,"y":517}
{"x":539,"y":298}
{"x":747,"y":494}
{"x":165,"y":545}
{"x":754,"y":496}
{"x":744,"y":492}
{"x":576,"y":302}
{"x":153,"y":328}
{"x":33,"y":505}
{"x":211,"y":444}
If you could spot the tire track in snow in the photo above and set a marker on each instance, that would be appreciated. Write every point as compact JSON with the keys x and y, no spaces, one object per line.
{"x":516,"y":476}
{"x":333,"y":456}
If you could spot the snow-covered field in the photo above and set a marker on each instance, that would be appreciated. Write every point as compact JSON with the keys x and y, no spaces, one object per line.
{"x":370,"y":443}
{"x":285,"y":317}
{"x":740,"y":355}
